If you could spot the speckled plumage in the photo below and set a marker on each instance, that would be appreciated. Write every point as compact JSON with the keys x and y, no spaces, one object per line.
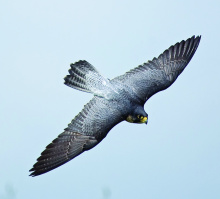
{"x":114,"y":101}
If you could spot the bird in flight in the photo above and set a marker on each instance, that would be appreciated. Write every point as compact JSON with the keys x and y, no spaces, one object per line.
{"x":114,"y":101}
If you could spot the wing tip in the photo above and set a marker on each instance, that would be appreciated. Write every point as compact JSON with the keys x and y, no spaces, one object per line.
{"x":33,"y":172}
{"x":36,"y":173}
{"x":184,"y":48}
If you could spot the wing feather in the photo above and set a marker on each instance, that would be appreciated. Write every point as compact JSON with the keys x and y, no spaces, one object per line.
{"x":84,"y":132}
{"x":158,"y":74}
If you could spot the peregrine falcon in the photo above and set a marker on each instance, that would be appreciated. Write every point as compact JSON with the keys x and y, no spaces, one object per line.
{"x":114,"y":101}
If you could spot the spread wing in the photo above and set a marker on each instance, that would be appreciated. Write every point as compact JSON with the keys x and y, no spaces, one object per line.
{"x":84,"y":132}
{"x":158,"y":74}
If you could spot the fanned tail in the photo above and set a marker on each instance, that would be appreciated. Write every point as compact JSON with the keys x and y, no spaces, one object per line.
{"x":83,"y":76}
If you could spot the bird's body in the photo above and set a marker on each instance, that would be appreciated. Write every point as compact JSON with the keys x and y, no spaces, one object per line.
{"x":114,"y":101}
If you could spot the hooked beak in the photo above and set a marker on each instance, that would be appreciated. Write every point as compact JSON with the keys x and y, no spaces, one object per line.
{"x":146,"y":121}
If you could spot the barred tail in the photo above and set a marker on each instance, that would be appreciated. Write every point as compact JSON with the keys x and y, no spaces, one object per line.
{"x":83,"y":76}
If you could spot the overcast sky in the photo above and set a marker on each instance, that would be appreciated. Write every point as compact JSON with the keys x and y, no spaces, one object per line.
{"x":175,"y":156}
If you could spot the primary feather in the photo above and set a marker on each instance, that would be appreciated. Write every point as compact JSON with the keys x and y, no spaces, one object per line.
{"x":161,"y":72}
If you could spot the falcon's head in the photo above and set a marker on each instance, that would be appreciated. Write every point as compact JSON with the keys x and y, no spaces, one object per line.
{"x":138,"y":116}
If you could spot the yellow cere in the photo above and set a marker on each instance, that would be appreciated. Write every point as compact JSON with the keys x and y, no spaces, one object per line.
{"x":143,"y":119}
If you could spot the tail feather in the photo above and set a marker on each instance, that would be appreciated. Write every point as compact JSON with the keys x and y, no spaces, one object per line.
{"x":83,"y":76}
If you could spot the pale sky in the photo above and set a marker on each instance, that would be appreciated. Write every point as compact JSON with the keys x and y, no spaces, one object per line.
{"x":175,"y":156}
